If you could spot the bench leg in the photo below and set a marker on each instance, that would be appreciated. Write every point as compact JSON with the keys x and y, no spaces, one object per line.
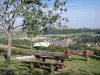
{"x":87,"y":56}
{"x":43,"y":59}
{"x":32,"y":66}
{"x":52,"y":69}
{"x":57,"y":67}
{"x":62,"y":66}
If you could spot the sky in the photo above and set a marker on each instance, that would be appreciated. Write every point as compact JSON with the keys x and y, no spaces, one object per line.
{"x":83,"y":13}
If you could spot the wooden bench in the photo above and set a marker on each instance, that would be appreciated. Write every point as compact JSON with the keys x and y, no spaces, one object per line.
{"x":86,"y":53}
{"x":52,"y":66}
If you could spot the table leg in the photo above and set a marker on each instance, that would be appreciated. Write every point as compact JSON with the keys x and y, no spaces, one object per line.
{"x":62,"y":64}
{"x":37,"y":57}
{"x":52,"y":69}
{"x":43,"y":59}
{"x":32,"y":66}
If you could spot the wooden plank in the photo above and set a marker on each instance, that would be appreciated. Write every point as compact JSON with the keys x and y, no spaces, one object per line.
{"x":50,"y":54}
{"x":51,"y":65}
{"x":81,"y":52}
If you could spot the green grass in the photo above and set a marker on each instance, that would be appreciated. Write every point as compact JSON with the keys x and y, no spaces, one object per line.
{"x":97,"y":48}
{"x":78,"y":65}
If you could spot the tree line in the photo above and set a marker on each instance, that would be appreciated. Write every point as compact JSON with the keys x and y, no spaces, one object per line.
{"x":69,"y":31}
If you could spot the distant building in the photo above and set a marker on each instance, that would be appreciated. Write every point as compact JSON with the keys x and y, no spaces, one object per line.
{"x":58,"y":41}
{"x":98,"y":44}
{"x":89,"y":44}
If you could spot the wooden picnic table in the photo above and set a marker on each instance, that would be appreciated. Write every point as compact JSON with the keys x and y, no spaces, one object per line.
{"x":59,"y":57}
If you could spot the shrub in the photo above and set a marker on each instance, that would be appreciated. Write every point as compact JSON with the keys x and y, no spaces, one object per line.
{"x":78,"y":46}
{"x":16,"y":42}
{"x":2,"y":50}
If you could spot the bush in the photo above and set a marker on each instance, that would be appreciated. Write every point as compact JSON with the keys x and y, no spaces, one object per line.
{"x":15,"y":68}
{"x":18,"y":68}
{"x":95,"y":57}
{"x":21,"y":42}
{"x":78,"y":46}
{"x":3,"y":41}
{"x":22,"y":52}
{"x":22,"y":46}
{"x":2,"y":50}
{"x":16,"y":42}
{"x":53,"y":48}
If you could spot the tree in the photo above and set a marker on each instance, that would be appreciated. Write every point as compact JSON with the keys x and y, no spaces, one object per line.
{"x":32,"y":21}
{"x":45,"y":16}
{"x":10,"y":10}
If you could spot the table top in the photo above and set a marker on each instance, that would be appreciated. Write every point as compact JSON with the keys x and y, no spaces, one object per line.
{"x":50,"y":54}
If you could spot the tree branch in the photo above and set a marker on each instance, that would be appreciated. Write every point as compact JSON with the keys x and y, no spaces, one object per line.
{"x":42,"y":28}
{"x":4,"y":29}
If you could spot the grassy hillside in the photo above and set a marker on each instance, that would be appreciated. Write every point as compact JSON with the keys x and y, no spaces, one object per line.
{"x":77,"y":66}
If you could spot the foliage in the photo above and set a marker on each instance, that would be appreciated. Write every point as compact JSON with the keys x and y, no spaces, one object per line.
{"x":86,"y":38}
{"x":53,"y":48}
{"x":22,"y":52}
{"x":10,"y":10}
{"x":21,"y":42}
{"x":96,"y":57}
{"x":2,"y":51}
{"x":70,"y":31}
{"x":16,"y":42}
{"x":78,"y":46}
{"x":17,"y":68}
{"x":42,"y":16}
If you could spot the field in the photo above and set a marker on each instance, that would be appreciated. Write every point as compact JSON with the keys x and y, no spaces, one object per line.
{"x":76,"y":66}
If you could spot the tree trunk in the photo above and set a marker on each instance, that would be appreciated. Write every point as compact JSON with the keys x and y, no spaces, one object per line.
{"x":9,"y":46}
{"x":31,"y":44}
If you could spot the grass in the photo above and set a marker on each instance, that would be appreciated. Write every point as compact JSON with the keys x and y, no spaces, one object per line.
{"x":79,"y":65}
{"x":56,"y":35}
{"x":97,"y":48}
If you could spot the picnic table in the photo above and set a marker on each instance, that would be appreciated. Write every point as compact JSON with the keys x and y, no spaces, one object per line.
{"x":57,"y":65}
{"x":58,"y":57}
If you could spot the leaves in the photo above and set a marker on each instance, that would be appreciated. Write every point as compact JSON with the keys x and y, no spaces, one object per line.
{"x":36,"y":18}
